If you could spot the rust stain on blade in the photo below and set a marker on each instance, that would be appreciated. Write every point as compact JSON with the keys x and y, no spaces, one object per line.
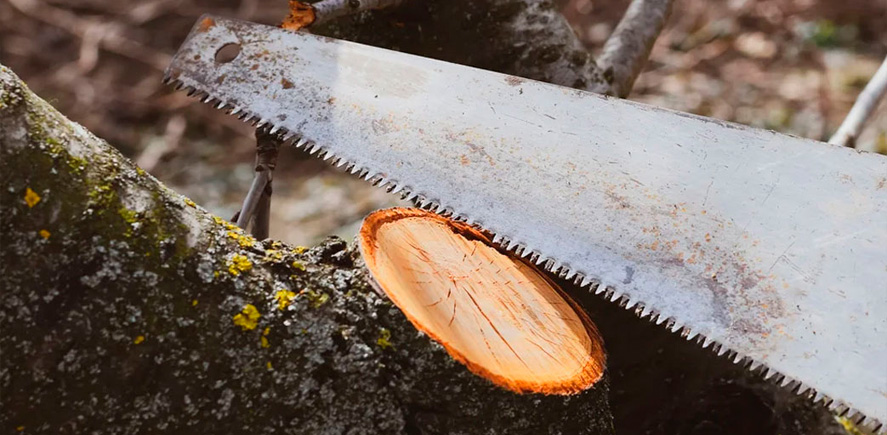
{"x":206,"y":24}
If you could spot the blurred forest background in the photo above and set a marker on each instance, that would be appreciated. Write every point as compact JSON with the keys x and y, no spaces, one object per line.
{"x":793,"y":66}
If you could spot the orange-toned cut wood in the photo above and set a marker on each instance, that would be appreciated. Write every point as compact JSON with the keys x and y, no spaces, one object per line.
{"x":498,"y":315}
{"x":301,"y":16}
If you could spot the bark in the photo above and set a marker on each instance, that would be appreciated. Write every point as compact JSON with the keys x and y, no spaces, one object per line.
{"x":626,"y":52}
{"x":862,"y":109}
{"x":528,"y":38}
{"x":126,"y":308}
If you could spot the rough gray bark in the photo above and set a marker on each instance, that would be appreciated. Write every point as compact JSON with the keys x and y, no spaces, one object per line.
{"x":127,"y":309}
{"x":528,"y":38}
{"x":327,"y":10}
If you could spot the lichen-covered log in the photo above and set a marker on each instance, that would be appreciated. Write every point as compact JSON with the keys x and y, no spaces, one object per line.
{"x":528,"y":38}
{"x":125,"y":308}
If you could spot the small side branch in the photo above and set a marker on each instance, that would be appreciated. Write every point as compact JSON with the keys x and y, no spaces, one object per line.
{"x":304,"y":15}
{"x":626,"y":51}
{"x":862,"y":109}
{"x":257,"y":204}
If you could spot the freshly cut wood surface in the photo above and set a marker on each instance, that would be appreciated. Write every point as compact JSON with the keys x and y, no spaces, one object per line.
{"x":496,"y":314}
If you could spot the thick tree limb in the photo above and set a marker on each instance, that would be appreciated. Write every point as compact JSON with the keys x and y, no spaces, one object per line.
{"x":528,"y":38}
{"x":125,"y":308}
{"x":626,"y":51}
{"x":862,"y":109}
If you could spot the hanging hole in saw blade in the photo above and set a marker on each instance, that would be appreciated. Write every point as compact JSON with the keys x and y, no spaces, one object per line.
{"x":227,"y":53}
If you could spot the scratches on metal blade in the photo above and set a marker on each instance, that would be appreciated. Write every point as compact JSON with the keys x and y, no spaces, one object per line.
{"x":551,"y":265}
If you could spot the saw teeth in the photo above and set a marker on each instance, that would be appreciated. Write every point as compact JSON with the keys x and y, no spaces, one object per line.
{"x":629,"y":303}
{"x":582,"y":280}
{"x":646,"y":311}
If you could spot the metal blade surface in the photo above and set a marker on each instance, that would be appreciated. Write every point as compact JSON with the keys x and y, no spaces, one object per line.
{"x":772,"y":245}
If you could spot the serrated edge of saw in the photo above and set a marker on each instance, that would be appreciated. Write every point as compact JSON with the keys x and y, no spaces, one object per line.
{"x":549,"y":264}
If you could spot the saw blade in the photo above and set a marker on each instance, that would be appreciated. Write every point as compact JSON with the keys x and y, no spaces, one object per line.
{"x":766,"y":246}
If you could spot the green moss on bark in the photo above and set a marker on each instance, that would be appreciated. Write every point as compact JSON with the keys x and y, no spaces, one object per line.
{"x":124,"y":319}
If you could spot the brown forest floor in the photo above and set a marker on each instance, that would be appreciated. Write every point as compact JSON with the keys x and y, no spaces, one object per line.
{"x":790,"y":65}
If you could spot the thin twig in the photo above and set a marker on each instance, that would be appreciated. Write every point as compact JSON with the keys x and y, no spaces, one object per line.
{"x":262,"y":221}
{"x":257,"y":203}
{"x":626,"y":51}
{"x":862,"y":109}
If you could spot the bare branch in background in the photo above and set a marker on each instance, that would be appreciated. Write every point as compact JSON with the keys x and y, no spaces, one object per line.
{"x":626,"y":51}
{"x":303,"y":15}
{"x":862,"y":109}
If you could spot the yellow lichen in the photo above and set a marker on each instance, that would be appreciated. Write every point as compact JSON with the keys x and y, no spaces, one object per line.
{"x":226,"y":224}
{"x":139,"y":339}
{"x":317,"y":299}
{"x":273,"y":255}
{"x":21,"y":428}
{"x":194,"y":303}
{"x":284,"y":298}
{"x":848,"y":426}
{"x":244,"y":240}
{"x":299,"y":266}
{"x":45,"y":234}
{"x":268,"y":364}
{"x":299,"y":249}
{"x":384,"y":339}
{"x":189,"y":203}
{"x":265,"y":343}
{"x":238,"y":264}
{"x":248,"y":318}
{"x":31,"y":197}
{"x":140,"y":171}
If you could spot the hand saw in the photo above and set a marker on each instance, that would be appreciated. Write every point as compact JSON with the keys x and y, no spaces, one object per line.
{"x":770,"y":248}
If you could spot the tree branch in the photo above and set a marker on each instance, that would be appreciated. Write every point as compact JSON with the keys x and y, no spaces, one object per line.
{"x":126,"y":308}
{"x":626,"y":51}
{"x":527,"y":38}
{"x":862,"y":109}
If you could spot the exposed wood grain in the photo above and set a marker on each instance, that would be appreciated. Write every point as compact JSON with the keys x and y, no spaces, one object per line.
{"x":498,"y":315}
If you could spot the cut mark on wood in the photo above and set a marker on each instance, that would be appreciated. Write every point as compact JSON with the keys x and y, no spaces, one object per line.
{"x":498,"y":315}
